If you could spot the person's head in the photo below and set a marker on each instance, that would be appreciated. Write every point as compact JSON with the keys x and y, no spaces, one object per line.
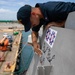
{"x":28,"y":16}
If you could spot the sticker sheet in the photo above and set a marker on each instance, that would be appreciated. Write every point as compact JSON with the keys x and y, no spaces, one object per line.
{"x":50,"y":37}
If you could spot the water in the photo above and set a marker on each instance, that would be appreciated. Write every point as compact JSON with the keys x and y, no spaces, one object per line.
{"x":27,"y":52}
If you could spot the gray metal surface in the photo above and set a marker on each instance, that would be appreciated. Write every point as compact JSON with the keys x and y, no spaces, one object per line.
{"x":63,"y":50}
{"x":70,"y":22}
{"x":59,"y":59}
{"x":35,"y":67}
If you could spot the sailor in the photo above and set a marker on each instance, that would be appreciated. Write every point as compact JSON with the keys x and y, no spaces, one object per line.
{"x":52,"y":13}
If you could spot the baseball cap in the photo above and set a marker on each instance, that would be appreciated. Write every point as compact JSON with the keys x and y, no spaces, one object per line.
{"x":23,"y":16}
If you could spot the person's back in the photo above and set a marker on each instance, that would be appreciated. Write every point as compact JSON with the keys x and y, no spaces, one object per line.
{"x":56,"y":11}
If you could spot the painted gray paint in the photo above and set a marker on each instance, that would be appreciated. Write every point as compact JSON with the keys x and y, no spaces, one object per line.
{"x":70,"y":22}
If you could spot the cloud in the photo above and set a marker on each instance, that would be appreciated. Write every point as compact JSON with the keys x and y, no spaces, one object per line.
{"x":57,"y":0}
{"x":26,"y":0}
{"x":6,"y":11}
{"x":21,"y":3}
{"x":6,"y":14}
{"x":10,"y":3}
{"x":3,"y":2}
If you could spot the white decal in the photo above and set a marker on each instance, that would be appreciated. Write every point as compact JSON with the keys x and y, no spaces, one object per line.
{"x":50,"y":36}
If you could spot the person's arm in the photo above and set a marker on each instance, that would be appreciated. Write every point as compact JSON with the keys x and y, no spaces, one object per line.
{"x":56,"y":24}
{"x":35,"y":43}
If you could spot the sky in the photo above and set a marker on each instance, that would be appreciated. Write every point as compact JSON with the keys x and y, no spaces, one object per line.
{"x":9,"y":8}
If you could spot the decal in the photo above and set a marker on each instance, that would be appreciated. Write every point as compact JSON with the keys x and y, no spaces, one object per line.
{"x":50,"y":37}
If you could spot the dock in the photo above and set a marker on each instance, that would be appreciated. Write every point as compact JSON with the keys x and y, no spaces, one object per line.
{"x":10,"y":56}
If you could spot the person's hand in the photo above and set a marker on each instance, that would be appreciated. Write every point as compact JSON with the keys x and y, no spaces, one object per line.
{"x":37,"y":49}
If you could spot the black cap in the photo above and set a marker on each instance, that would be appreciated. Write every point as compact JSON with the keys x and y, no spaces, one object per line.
{"x":23,"y":15}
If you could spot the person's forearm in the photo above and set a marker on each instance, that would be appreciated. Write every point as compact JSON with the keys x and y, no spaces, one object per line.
{"x":34,"y":37}
{"x":56,"y":24}
{"x":35,"y":43}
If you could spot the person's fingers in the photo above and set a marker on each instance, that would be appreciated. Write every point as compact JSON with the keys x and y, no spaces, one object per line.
{"x":39,"y":52}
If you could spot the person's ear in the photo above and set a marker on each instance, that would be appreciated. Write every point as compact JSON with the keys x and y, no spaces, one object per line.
{"x":32,"y":13}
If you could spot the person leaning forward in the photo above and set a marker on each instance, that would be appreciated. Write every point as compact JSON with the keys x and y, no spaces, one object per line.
{"x":52,"y":13}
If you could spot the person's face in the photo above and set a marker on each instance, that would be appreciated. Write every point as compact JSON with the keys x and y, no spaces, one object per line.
{"x":34,"y":19}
